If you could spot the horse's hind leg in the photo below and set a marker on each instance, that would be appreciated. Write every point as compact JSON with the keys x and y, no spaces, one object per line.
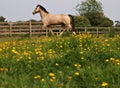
{"x":67,"y":28}
{"x":61,"y":33}
{"x":64,"y":29}
{"x":70,"y":28}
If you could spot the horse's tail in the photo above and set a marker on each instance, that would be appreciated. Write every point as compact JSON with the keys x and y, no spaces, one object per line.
{"x":72,"y":22}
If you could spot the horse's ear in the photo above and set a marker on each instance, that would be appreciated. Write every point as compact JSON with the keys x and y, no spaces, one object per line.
{"x":38,"y":5}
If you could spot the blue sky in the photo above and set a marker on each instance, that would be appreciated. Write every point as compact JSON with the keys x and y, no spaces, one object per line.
{"x":15,"y":10}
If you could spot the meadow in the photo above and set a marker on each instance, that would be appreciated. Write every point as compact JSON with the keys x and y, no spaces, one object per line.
{"x":74,"y":61}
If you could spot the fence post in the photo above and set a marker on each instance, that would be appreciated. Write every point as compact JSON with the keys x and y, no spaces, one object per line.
{"x":97,"y":31}
{"x":85,"y":30}
{"x":47,"y":29}
{"x":30,"y":30}
{"x":10,"y":30}
{"x":109,"y":29}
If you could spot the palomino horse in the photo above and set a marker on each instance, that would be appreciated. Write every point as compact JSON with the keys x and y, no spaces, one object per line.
{"x":55,"y":19}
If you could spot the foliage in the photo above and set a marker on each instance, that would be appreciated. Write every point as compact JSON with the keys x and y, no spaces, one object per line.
{"x":2,"y":19}
{"x":105,"y":22}
{"x":98,"y":19}
{"x":89,"y":6}
{"x":77,"y":61}
{"x":33,"y":20}
{"x":92,"y":9}
{"x":81,"y":21}
{"x":112,"y":33}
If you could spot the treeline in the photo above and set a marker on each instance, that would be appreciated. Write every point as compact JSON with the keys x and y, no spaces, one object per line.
{"x":80,"y":21}
{"x":2,"y":19}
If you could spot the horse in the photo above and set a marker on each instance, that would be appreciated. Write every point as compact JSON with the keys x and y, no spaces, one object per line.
{"x":55,"y":19}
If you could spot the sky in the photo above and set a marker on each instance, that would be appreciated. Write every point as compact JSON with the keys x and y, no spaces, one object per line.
{"x":17,"y":10}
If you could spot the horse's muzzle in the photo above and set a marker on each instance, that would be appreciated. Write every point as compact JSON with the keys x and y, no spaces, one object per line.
{"x":33,"y":13}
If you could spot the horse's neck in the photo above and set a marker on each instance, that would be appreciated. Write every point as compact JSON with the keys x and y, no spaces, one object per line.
{"x":43,"y":14}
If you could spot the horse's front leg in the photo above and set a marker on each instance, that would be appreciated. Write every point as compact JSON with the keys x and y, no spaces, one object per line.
{"x":51,"y":31}
{"x":43,"y":27}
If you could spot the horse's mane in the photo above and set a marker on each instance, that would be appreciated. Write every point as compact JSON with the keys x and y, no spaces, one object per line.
{"x":43,"y":8}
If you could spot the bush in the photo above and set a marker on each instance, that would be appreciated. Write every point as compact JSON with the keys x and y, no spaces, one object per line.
{"x":98,"y":19}
{"x":2,"y":19}
{"x":81,"y":21}
{"x":105,"y":22}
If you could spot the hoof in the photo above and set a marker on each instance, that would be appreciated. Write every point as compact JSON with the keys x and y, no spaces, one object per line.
{"x":74,"y":33}
{"x":61,"y":33}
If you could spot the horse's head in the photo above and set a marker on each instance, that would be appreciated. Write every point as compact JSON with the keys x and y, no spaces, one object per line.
{"x":37,"y":9}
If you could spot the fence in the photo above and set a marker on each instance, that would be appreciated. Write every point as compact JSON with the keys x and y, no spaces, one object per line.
{"x":33,"y":28}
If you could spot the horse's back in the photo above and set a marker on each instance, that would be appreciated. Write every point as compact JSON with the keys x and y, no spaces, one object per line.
{"x":57,"y":18}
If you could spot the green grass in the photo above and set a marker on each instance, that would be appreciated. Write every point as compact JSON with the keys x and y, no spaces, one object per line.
{"x":81,"y":61}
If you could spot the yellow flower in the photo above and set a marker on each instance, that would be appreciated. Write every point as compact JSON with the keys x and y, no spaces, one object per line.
{"x":61,"y":46}
{"x":51,"y":80}
{"x":69,"y":77}
{"x":106,"y":60}
{"x":106,"y":40}
{"x":118,"y":63}
{"x":50,"y":51}
{"x":77,"y":73}
{"x":96,"y":78}
{"x":3,"y":69}
{"x":51,"y":74}
{"x":39,"y":53}
{"x":81,"y":52}
{"x":60,"y":72}
{"x":56,"y":64}
{"x":15,"y":52}
{"x":29,"y":58}
{"x":88,"y":33}
{"x":53,"y":77}
{"x":77,"y":65}
{"x":60,"y":85}
{"x":117,"y":60}
{"x":29,"y":61}
{"x":40,"y":58}
{"x":80,"y":45}
{"x":112,"y":59}
{"x":82,"y":58}
{"x":37,"y":76}
{"x":43,"y":80}
{"x":108,"y":44}
{"x":104,"y":84}
{"x":0,"y":49}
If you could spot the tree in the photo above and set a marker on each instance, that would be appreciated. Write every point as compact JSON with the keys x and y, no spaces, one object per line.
{"x":89,"y":6}
{"x":92,"y":10}
{"x":2,"y":19}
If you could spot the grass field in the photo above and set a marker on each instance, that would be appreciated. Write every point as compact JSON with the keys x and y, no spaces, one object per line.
{"x":76,"y":61}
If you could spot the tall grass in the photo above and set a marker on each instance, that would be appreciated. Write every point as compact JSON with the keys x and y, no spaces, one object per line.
{"x":77,"y":61}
